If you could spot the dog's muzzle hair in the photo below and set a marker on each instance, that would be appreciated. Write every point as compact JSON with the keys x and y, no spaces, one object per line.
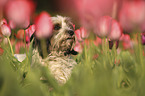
{"x":59,"y":49}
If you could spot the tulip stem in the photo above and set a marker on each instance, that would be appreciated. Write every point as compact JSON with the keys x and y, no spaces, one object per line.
{"x":10,"y":46}
{"x":25,"y":45}
{"x":104,"y":48}
{"x":140,"y":52}
{"x":114,"y":10}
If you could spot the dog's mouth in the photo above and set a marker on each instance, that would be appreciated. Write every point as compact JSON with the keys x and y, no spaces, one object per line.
{"x":70,"y":38}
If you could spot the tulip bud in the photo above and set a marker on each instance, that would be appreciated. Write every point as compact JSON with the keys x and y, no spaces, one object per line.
{"x":43,"y":25}
{"x":5,"y":30}
{"x":116,"y":31}
{"x":20,"y":34}
{"x":3,"y":21}
{"x":78,"y":47}
{"x":78,"y":35}
{"x":84,"y":33}
{"x":103,"y":27}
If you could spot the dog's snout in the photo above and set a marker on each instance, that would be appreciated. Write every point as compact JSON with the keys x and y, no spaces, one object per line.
{"x":71,"y":32}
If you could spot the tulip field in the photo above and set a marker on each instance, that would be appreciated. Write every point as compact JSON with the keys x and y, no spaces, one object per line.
{"x":110,"y":42}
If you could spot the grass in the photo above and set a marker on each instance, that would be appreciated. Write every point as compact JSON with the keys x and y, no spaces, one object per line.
{"x":99,"y":72}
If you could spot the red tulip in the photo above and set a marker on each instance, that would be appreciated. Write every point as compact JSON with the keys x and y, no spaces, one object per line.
{"x":5,"y":30}
{"x":43,"y":25}
{"x":31,"y":30}
{"x":116,"y":31}
{"x":19,"y":12}
{"x":1,"y":51}
{"x":132,"y":14}
{"x":28,"y":33}
{"x":20,"y":34}
{"x":103,"y":26}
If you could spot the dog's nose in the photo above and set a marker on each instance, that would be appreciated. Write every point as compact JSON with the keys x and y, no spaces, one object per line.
{"x":71,"y":32}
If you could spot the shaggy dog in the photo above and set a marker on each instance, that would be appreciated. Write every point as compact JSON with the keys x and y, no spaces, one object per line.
{"x":59,"y":49}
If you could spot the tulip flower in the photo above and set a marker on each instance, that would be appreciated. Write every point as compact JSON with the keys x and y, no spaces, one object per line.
{"x":19,"y":12}
{"x":116,"y":31}
{"x":143,"y":39}
{"x":31,"y":30}
{"x":84,"y":33}
{"x":12,"y":24}
{"x":5,"y":30}
{"x":28,"y":33}
{"x":128,"y":17}
{"x":20,"y":34}
{"x":126,"y":41}
{"x":103,"y":27}
{"x":1,"y":51}
{"x":43,"y":25}
{"x":98,"y":41}
{"x":89,"y":11}
{"x":3,"y":21}
{"x":78,"y":35}
{"x":78,"y":47}
{"x":3,"y":2}
{"x":81,"y":34}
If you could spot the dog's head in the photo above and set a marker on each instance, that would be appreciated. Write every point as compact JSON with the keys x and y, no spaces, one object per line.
{"x":62,"y":39}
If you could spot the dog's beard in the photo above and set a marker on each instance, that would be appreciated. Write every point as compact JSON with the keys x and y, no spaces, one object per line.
{"x":62,"y":42}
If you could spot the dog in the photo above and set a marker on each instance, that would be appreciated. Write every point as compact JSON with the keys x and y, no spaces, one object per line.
{"x":59,"y":49}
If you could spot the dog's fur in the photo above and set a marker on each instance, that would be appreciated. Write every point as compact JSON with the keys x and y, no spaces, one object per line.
{"x":59,"y":48}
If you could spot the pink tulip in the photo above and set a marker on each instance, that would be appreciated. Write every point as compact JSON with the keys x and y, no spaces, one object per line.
{"x":3,"y":21}
{"x":3,"y":2}
{"x":12,"y":24}
{"x":81,"y":34}
{"x":43,"y":25}
{"x":84,"y":32}
{"x":132,"y":14}
{"x":78,"y":35}
{"x":19,"y":12}
{"x":90,"y":10}
{"x":116,"y":31}
{"x":19,"y":44}
{"x":126,"y":41}
{"x":98,"y":41}
{"x":103,"y":26}
{"x":28,"y":33}
{"x":78,"y":47}
{"x":31,"y":30}
{"x":5,"y":30}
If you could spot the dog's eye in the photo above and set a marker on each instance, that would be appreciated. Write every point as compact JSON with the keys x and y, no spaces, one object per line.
{"x":57,"y":26}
